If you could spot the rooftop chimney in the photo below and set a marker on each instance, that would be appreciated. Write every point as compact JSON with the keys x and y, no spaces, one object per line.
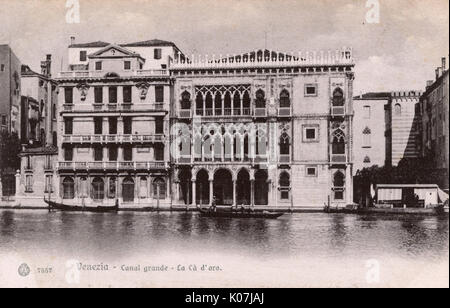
{"x":429,"y":83}
{"x":444,"y":64}
{"x":72,"y":40}
{"x":46,"y":66}
{"x":438,"y":73}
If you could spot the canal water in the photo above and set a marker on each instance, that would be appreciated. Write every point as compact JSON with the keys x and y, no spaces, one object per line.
{"x":296,"y":250}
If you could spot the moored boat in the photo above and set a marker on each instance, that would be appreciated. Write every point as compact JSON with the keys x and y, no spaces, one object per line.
{"x":239,"y":214}
{"x":52,"y":205}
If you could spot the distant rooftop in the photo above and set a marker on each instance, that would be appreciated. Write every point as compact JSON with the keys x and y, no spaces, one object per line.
{"x":374,"y":95}
{"x":90,"y":45}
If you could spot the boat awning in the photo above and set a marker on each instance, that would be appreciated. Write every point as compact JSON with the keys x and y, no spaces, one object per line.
{"x":389,"y":194}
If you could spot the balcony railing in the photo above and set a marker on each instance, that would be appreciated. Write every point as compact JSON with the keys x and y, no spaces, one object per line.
{"x":260,"y":112}
{"x":89,"y":74}
{"x":284,"y":159}
{"x":226,"y":112}
{"x":185,"y":114}
{"x":339,"y":158}
{"x":113,"y":138}
{"x":116,"y":166}
{"x":338,"y":111}
{"x":284,"y":112}
{"x":82,"y":107}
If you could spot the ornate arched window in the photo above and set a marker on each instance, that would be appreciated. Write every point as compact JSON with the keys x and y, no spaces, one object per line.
{"x":68,"y":188}
{"x":260,"y":99}
{"x":367,"y":137}
{"x":338,"y":97}
{"x":285,"y":100}
{"x":285,"y":143}
{"x":186,"y":100}
{"x":338,"y":146}
{"x":367,"y":160}
{"x":199,"y":104}
{"x":339,"y":185}
{"x":285,"y":186}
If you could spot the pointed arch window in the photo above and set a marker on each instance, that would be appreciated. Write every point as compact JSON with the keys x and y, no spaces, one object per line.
{"x":285,"y":186}
{"x":338,"y":97}
{"x":199,"y":104}
{"x":285,"y":100}
{"x":367,"y":133}
{"x":338,"y":146}
{"x":260,"y":99}
{"x":285,"y":144}
{"x":185,"y":100}
{"x":397,"y":110}
{"x":338,"y":186}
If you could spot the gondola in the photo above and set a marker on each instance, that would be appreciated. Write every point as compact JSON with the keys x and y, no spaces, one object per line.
{"x":239,"y":214}
{"x":76,"y":208}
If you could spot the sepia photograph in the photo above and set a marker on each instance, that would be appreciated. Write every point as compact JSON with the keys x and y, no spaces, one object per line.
{"x":215,"y":145}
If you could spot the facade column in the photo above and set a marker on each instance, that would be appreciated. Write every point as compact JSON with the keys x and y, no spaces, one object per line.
{"x":211,"y":191}
{"x":252,"y":193}
{"x":194,"y":191}
{"x":234,"y":193}
{"x":223,"y":105}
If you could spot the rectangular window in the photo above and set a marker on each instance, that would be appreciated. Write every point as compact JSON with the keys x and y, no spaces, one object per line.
{"x":127,"y":94}
{"x":68,"y":126}
{"x":311,"y":90}
{"x":29,"y":183}
{"x":48,"y":162}
{"x":98,"y":125}
{"x":83,"y":56}
{"x":159,"y":152}
{"x":127,"y":126}
{"x":112,"y":153}
{"x":98,"y":153}
{"x":127,"y":65}
{"x":48,"y":183}
{"x":2,"y":67}
{"x":4,"y":120}
{"x":311,"y":171}
{"x":310,"y":133}
{"x":157,"y":53}
{"x":68,"y":154}
{"x":159,"y":126}
{"x":339,"y":194}
{"x":98,"y":66}
{"x":128,"y":153}
{"x":284,"y":194}
{"x":98,"y":95}
{"x":366,"y":112}
{"x":68,"y":95}
{"x":112,"y":126}
{"x":159,"y":94}
{"x":113,"y":95}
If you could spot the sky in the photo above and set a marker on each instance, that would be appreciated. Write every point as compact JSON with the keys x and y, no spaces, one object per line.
{"x":400,"y":52}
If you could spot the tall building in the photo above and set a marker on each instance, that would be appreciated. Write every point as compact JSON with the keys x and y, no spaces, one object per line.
{"x":114,"y":124}
{"x":435,"y":125}
{"x":39,"y":112}
{"x":263,"y":128}
{"x":9,"y":90}
{"x":404,"y":126}
{"x":369,"y":129}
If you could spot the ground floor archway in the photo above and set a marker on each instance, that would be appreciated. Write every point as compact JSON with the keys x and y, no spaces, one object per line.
{"x":185,"y":178}
{"x":128,"y":190}
{"x":223,"y":187}
{"x":243,"y":188}
{"x":261,"y":188}
{"x":202,"y":188}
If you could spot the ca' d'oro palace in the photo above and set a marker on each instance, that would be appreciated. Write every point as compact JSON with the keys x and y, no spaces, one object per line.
{"x":146,"y":126}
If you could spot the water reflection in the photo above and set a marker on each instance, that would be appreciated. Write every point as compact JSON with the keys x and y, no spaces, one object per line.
{"x":315,"y":235}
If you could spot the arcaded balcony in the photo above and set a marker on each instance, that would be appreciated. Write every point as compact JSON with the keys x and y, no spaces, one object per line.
{"x":90,"y":139}
{"x":113,"y":107}
{"x":101,"y":74}
{"x":112,"y":166}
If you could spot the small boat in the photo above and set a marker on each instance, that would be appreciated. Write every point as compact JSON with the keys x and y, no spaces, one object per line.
{"x":239,"y":214}
{"x":76,"y":208}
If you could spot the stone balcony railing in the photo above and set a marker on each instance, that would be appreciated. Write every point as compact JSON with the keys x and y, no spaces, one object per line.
{"x":101,"y":74}
{"x":343,"y":56}
{"x":89,"y":139}
{"x":338,"y":158}
{"x":114,"y":166}
{"x":84,"y":107}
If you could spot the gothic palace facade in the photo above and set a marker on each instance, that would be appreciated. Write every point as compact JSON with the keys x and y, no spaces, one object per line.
{"x":147,"y":126}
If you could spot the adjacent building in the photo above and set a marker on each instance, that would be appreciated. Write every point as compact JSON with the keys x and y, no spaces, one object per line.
{"x":369,"y":127}
{"x":114,"y":104}
{"x":37,"y":176}
{"x":9,"y":90}
{"x":435,"y":125}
